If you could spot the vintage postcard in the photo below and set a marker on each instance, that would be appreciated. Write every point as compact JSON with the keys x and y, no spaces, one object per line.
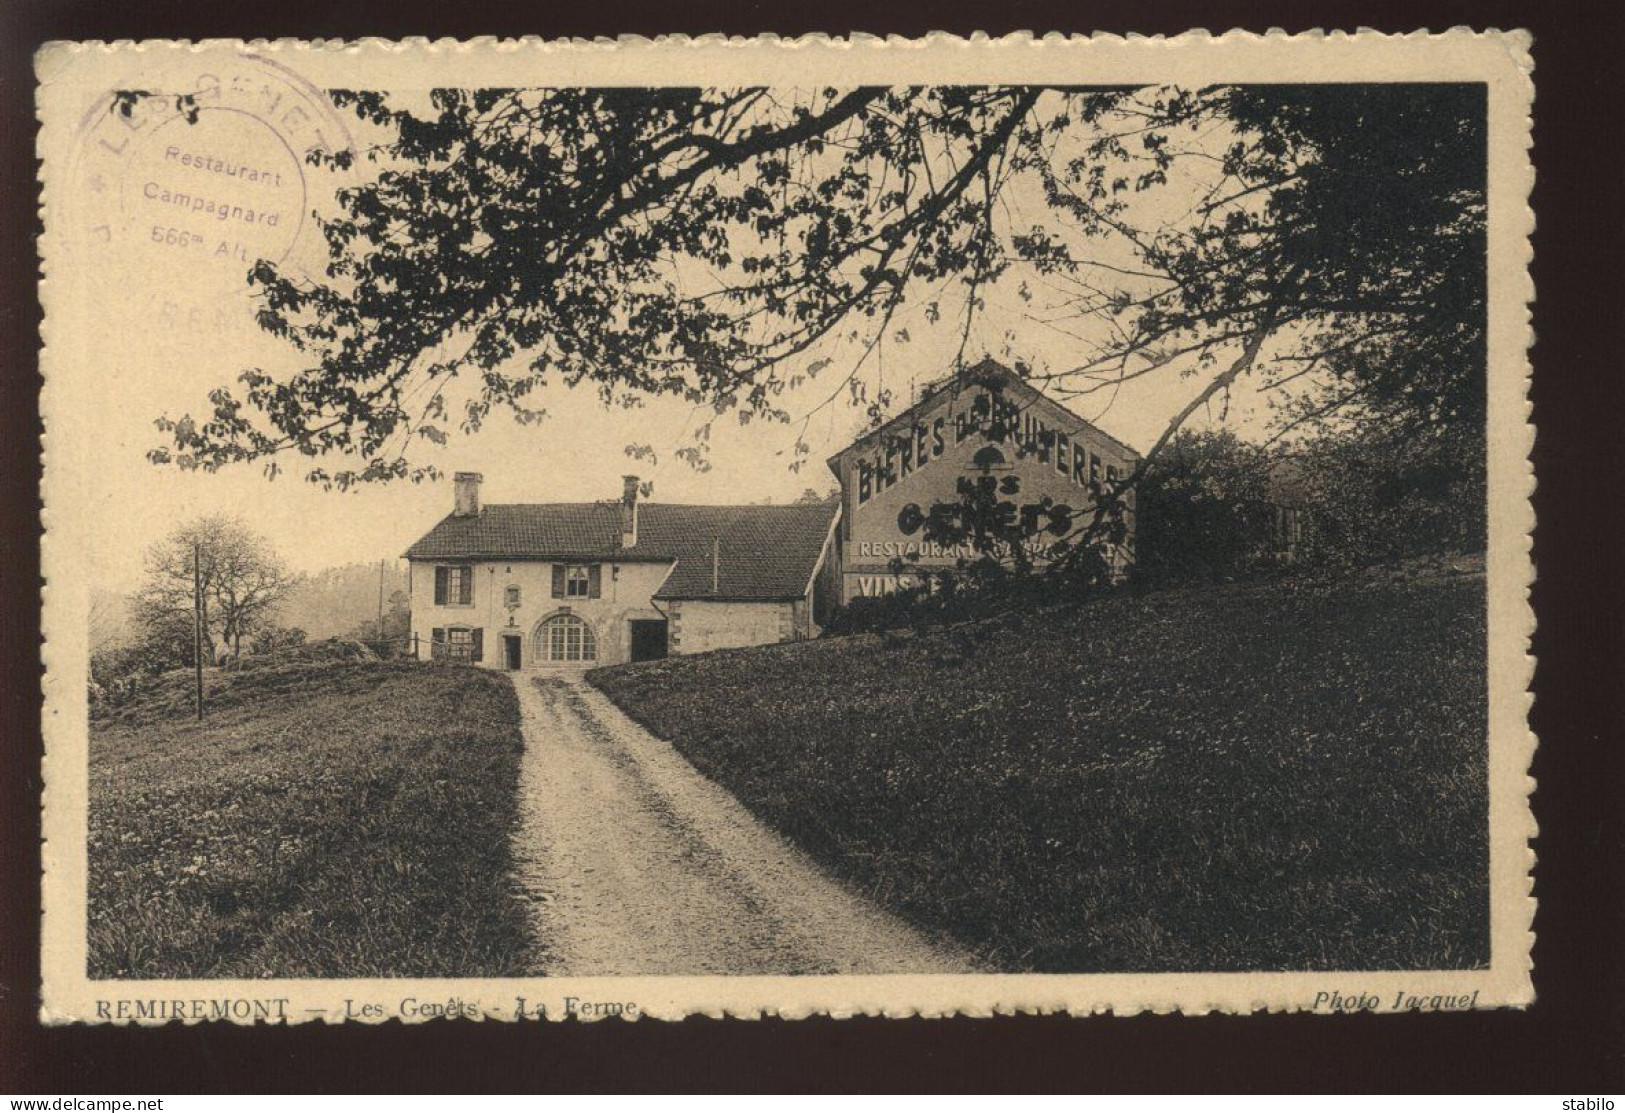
{"x":762,"y":527}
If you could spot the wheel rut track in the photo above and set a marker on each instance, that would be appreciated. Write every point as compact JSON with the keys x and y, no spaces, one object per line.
{"x":635,"y":864}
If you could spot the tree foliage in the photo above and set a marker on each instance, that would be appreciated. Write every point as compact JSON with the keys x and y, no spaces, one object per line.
{"x":1347,"y":226}
{"x":707,"y":244}
{"x":1206,"y":510}
{"x":640,"y":241}
{"x":394,"y":636}
{"x":1211,"y":507}
{"x":1375,"y":495}
{"x":698,"y":242}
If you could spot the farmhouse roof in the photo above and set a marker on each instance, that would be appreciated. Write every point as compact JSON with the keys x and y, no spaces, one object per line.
{"x":739,"y":553}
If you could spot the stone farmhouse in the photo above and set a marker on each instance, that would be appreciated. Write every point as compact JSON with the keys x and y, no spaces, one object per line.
{"x":584,"y":584}
{"x":574,"y":585}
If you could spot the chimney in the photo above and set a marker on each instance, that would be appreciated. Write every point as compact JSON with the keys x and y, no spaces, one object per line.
{"x":629,"y":511}
{"x":466,"y":494}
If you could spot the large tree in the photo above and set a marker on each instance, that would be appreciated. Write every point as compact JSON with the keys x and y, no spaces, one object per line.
{"x":707,"y":243}
{"x":239,"y":581}
{"x":1340,"y":234}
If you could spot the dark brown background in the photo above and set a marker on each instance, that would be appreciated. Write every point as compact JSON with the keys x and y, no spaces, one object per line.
{"x":1571,"y":1041}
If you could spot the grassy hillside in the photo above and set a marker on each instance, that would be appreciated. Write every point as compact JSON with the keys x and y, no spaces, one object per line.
{"x":1279,"y":776}
{"x":327,"y":819}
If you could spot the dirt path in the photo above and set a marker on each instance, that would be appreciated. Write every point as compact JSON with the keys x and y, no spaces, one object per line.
{"x":636,"y":864}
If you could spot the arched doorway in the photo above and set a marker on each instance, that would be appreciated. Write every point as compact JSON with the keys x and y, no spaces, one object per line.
{"x":563,"y":639}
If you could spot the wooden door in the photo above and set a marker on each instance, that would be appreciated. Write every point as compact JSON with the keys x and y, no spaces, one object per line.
{"x":648,"y":639}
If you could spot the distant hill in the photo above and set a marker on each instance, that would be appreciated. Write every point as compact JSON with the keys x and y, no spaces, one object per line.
{"x":336,"y":600}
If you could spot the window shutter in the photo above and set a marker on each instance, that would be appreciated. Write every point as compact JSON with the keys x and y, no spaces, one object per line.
{"x":479,"y":643}
{"x":441,"y":575}
{"x":465,"y":591}
{"x":437,"y":642}
{"x":558,"y":581}
{"x":595,"y":580}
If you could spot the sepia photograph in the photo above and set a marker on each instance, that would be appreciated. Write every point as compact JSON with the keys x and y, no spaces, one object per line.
{"x":543,"y":533}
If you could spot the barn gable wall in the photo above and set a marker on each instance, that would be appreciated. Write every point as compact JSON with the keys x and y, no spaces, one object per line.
{"x":918,"y":460}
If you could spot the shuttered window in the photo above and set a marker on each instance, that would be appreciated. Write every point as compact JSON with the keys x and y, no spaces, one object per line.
{"x":453,"y":585}
{"x":577,"y":581}
{"x":464,"y":644}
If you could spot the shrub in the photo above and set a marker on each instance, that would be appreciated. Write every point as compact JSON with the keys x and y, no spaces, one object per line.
{"x":983,"y":590}
{"x":1205,"y":511}
{"x":273,"y":637}
{"x":1375,"y":497}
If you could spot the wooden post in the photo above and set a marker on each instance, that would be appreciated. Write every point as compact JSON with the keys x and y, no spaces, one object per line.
{"x":380,"y":606}
{"x":197,"y":622}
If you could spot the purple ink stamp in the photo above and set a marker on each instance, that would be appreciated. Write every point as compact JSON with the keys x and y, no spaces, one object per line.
{"x":200,"y":172}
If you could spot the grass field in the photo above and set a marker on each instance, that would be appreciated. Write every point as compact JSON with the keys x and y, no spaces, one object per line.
{"x":331,"y":819}
{"x":1289,"y":775}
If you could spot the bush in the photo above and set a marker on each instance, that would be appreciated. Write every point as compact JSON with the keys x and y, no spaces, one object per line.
{"x":1205,"y":511}
{"x":272,"y":638}
{"x":120,"y":674}
{"x":948,"y":599}
{"x":1208,"y":507}
{"x":328,"y":650}
{"x":1375,"y":497}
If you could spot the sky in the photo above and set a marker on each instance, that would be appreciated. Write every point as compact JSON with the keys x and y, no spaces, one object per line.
{"x":180,"y":322}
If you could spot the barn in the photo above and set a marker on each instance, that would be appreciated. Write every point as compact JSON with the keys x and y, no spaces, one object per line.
{"x":985,"y":423}
{"x":573,"y":585}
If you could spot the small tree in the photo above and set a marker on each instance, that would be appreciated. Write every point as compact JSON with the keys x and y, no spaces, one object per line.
{"x":1077,"y":547}
{"x":240,"y":576}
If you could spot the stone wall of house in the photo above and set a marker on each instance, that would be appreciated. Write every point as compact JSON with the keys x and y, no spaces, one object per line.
{"x":625,"y":594}
{"x":701,"y":625}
